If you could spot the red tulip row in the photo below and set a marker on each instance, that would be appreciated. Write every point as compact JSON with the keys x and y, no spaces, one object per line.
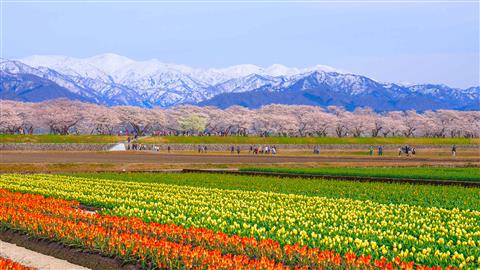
{"x":165,"y":245}
{"x":6,"y":264}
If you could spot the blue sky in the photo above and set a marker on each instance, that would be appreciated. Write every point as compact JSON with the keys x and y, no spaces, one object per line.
{"x":395,"y":42}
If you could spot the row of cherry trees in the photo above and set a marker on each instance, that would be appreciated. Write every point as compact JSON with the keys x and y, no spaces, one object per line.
{"x":72,"y":117}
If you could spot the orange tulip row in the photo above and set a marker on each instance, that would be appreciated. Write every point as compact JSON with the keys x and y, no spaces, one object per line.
{"x":166,"y":245}
{"x":6,"y":264}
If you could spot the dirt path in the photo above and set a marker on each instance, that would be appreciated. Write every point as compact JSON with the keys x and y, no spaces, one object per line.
{"x":163,"y":158}
{"x":34,"y":259}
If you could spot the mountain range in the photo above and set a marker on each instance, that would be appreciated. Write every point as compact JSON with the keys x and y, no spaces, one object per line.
{"x":111,"y":79}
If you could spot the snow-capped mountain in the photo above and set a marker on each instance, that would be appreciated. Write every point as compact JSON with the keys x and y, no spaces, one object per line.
{"x":352,"y":91}
{"x":121,"y":69}
{"x":111,"y":79}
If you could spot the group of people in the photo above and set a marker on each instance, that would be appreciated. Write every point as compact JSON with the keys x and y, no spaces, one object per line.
{"x":132,"y":144}
{"x":136,"y":146}
{"x":263,"y":150}
{"x":201,"y":149}
{"x":407,"y":150}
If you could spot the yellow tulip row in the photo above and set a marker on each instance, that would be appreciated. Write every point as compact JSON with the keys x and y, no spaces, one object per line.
{"x":431,"y":236}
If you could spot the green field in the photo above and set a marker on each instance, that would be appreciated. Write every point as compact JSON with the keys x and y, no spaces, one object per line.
{"x":49,"y":138}
{"x":420,"y":195}
{"x":459,"y":174}
{"x":305,"y":140}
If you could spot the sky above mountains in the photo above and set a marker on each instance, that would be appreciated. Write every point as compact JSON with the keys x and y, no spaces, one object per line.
{"x":395,"y":42}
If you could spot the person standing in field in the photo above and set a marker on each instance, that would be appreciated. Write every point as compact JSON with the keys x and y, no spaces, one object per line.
{"x":371,"y":150}
{"x":400,"y":151}
{"x":232,"y":149}
{"x":454,"y":150}
{"x":238,"y":150}
{"x":168,"y":149}
{"x":380,"y":150}
{"x":413,"y":151}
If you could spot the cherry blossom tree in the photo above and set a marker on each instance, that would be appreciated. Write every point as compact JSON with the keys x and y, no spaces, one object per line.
{"x":359,"y":121}
{"x":239,"y":120}
{"x":10,"y":120}
{"x":100,"y":120}
{"x":341,"y":120}
{"x":139,"y":119}
{"x":194,"y":123}
{"x":62,"y":116}
{"x":72,"y":117}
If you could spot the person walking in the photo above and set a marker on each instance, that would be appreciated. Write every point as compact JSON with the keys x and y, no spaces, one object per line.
{"x":238,"y":149}
{"x":400,"y":150}
{"x":454,"y":150}
{"x":380,"y":150}
{"x":168,"y":149}
{"x":371,"y":150}
{"x":232,"y":149}
{"x":413,"y":151}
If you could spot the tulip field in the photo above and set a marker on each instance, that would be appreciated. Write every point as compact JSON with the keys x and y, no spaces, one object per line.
{"x":177,"y":226}
{"x":7,"y":264}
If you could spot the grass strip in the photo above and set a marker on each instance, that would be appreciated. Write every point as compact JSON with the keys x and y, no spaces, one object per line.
{"x":457,"y":174}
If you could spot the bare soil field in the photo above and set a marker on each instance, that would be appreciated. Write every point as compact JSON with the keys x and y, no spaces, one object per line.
{"x":148,"y":161}
{"x":151,"y":157}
